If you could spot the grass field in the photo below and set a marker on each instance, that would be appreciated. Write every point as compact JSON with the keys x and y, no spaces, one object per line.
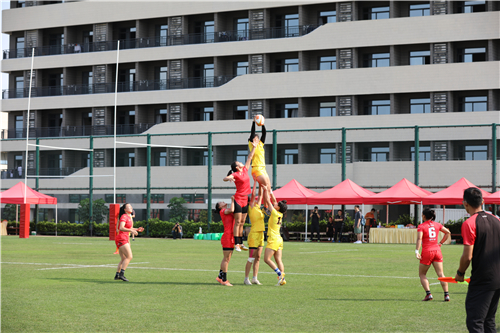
{"x":66,"y":284}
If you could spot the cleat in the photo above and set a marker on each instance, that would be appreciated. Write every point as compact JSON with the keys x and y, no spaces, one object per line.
{"x":243,"y":247}
{"x":226,"y":283}
{"x":247,"y":282}
{"x":447,"y":298}
{"x":218,"y":279}
{"x":281,"y":280}
{"x":428,"y":298}
{"x":117,"y":277}
{"x":123,"y":278}
{"x":116,"y":252}
{"x":237,"y":248}
{"x":255,"y":281}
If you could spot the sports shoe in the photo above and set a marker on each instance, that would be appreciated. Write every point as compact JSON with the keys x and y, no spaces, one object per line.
{"x":122,"y":277}
{"x":428,"y":298}
{"x":255,"y":281}
{"x":247,"y":282}
{"x":281,"y":280}
{"x":237,"y":248}
{"x":218,"y":279}
{"x":243,"y":247}
{"x":117,"y":276}
{"x":226,"y":283}
{"x":116,"y":252}
{"x":357,"y":242}
{"x":447,"y":298}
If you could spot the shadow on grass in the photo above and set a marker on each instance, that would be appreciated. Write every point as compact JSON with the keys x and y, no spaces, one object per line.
{"x":365,"y":300}
{"x":132,"y":282}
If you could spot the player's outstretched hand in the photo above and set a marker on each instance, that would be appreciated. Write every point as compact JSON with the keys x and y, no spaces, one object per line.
{"x":140,"y":229}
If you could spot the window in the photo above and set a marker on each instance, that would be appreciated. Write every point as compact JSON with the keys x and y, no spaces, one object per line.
{"x":240,"y":112}
{"x":20,"y":3}
{"x":241,"y":26}
{"x":240,"y":68}
{"x":154,"y":198}
{"x":287,"y":65}
{"x":120,"y":198}
{"x":474,"y":153}
{"x":287,"y":110}
{"x":204,"y":114}
{"x":421,"y":9}
{"x":289,"y":25}
{"x":161,"y":34}
{"x":19,"y":127}
{"x":76,"y":198}
{"x":19,"y":47}
{"x":472,"y":104}
{"x":19,"y":86}
{"x":377,"y":154}
{"x":161,"y":77}
{"x":420,"y":58}
{"x":376,"y":13}
{"x":288,"y":156}
{"x":327,"y":109}
{"x":377,"y":107}
{"x":241,"y":156}
{"x":376,"y":60}
{"x":472,"y":54}
{"x":472,"y":7}
{"x":327,"y":155}
{"x":160,"y":158}
{"x":85,"y":160}
{"x":420,"y":105}
{"x":125,"y":159}
{"x":424,"y":153}
{"x":326,"y":63}
{"x":161,"y":116}
{"x":201,"y":157}
{"x":327,"y":17}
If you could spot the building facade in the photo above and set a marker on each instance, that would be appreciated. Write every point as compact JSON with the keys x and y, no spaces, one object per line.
{"x":187,"y":69}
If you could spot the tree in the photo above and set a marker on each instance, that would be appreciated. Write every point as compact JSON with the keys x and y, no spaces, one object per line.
{"x":99,"y":210}
{"x":178,"y":212}
{"x":9,"y":212}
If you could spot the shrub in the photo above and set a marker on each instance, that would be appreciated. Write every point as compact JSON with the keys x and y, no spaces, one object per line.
{"x":455,"y":227}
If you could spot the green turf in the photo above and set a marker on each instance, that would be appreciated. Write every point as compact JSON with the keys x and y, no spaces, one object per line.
{"x":330,"y":287}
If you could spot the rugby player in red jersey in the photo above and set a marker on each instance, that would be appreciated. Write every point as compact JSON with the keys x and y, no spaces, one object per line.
{"x":227,"y":239}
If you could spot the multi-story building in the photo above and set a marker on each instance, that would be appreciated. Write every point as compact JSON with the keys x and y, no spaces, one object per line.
{"x":189,"y":68}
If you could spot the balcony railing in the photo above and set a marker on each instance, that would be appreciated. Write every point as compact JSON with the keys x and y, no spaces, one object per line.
{"x":102,"y":88}
{"x":186,"y":39}
{"x":44,"y":132}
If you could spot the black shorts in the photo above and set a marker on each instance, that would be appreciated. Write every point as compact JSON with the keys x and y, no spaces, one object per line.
{"x":228,"y":249}
{"x":239,"y":209}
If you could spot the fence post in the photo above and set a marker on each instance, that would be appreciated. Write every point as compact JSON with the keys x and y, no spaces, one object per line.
{"x":344,"y":153}
{"x":417,"y":154}
{"x":37,"y":173}
{"x":91,"y":183}
{"x":275,"y":158}
{"x":148,"y":190}
{"x":494,"y":157}
{"x":209,"y":187}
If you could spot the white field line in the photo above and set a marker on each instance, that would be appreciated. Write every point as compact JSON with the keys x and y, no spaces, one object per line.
{"x":202,"y":270}
{"x":328,"y":251}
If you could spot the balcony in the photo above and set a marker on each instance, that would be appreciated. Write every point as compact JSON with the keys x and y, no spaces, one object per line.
{"x":103,"y":88}
{"x":70,"y":131}
{"x":186,"y":39}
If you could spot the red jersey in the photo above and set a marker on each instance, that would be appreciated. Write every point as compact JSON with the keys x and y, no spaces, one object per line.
{"x":227,"y":239}
{"x":123,"y":236}
{"x":430,"y":230}
{"x":242,"y":182}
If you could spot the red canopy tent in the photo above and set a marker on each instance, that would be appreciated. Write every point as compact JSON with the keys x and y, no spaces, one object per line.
{"x":403,"y":193}
{"x":493,"y":199}
{"x":295,"y":194}
{"x":345,"y":193}
{"x":452,"y":195}
{"x":15,"y":195}
{"x":23,"y":195}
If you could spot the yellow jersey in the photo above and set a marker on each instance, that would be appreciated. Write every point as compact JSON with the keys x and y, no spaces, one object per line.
{"x":259,"y":156}
{"x":274,"y":224}
{"x":256,"y":218}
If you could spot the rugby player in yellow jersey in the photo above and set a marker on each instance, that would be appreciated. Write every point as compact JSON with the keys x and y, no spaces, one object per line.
{"x":274,"y":241}
{"x":255,"y":237}
{"x":259,"y":159}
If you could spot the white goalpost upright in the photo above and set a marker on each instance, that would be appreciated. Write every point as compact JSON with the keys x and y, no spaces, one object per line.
{"x":28,"y":125}
{"x":114,"y":136}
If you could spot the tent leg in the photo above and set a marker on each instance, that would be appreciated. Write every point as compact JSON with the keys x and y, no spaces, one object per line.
{"x":444,"y":207}
{"x":56,"y":219}
{"x":307,"y":215}
{"x":387,"y":215}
